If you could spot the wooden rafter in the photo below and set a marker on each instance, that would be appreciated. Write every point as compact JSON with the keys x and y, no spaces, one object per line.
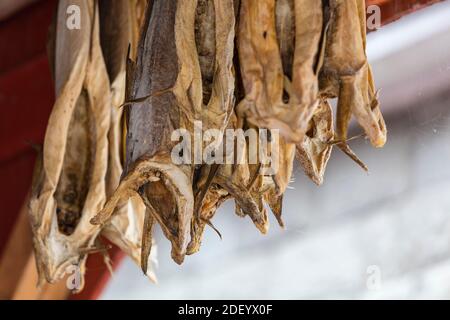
{"x":392,"y":10}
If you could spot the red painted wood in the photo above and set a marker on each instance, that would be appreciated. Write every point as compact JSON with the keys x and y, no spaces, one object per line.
{"x":26,"y":99}
{"x":23,"y":36}
{"x":392,"y":10}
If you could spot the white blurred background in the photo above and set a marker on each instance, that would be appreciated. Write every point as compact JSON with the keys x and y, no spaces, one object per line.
{"x":382,"y":235}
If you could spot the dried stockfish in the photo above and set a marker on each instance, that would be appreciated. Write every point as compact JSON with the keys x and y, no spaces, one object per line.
{"x":161,"y":98}
{"x":301,"y":32}
{"x":214,"y":31}
{"x":346,"y":74}
{"x":149,"y":172}
{"x":117,"y":24}
{"x":262,"y":71}
{"x":214,"y":38}
{"x":280,"y":40}
{"x":75,"y":154}
{"x":141,"y":73}
{"x":315,"y":150}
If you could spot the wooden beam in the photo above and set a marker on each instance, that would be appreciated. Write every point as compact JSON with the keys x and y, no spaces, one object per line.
{"x":9,"y":7}
{"x":392,"y":10}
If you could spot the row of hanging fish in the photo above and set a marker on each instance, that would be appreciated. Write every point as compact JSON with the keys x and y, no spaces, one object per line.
{"x":136,"y":71}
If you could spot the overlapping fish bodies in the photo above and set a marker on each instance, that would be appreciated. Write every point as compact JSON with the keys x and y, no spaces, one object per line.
{"x":214,"y":39}
{"x":346,"y":74}
{"x":279,"y":42}
{"x":155,"y":91}
{"x":214,"y":34}
{"x":219,"y":182}
{"x":262,"y":70}
{"x":208,"y":201}
{"x":114,"y":128}
{"x":291,"y":57}
{"x":266,"y":46}
{"x":117,"y":34}
{"x":193,"y":82}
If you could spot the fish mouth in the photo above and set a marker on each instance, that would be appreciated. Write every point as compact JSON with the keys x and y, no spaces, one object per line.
{"x":213,"y":199}
{"x":167,"y":193}
{"x":58,"y":254}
